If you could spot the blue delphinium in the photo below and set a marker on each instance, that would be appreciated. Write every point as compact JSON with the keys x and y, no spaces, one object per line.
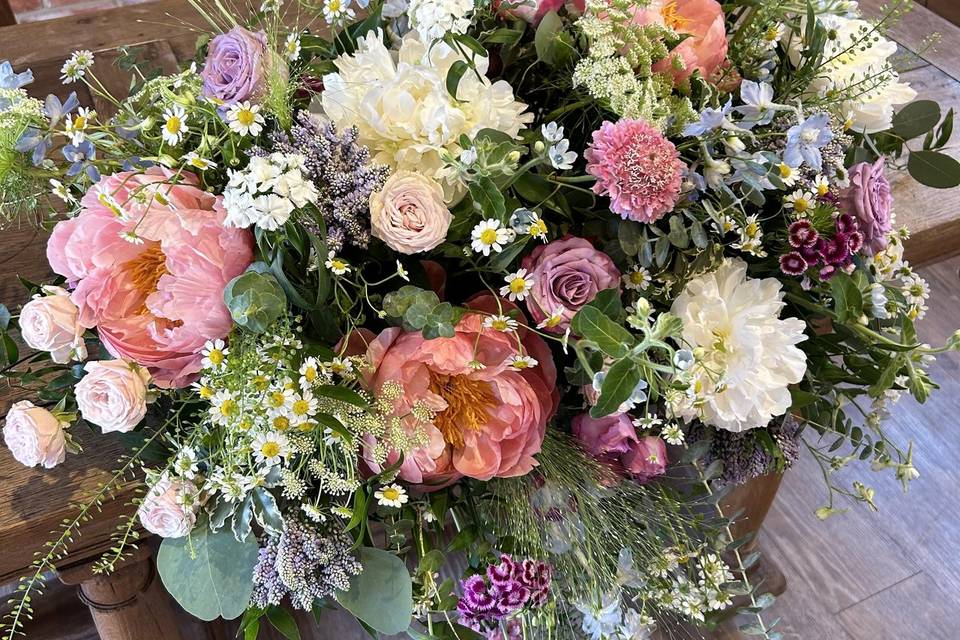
{"x":38,"y":142}
{"x":804,"y":141}
{"x":758,"y":106}
{"x":710,"y":119}
{"x":81,"y":156}
{"x":11,"y":80}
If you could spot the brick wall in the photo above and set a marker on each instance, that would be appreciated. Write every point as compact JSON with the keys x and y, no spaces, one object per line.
{"x":33,"y":10}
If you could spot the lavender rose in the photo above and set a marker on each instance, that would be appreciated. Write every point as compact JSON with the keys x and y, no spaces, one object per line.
{"x":568,"y":273}
{"x":869,"y":200}
{"x":647,"y":459}
{"x":613,"y":440}
{"x":236,"y":66}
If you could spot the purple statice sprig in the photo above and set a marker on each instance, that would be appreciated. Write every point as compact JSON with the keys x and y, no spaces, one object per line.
{"x":825,"y":252}
{"x":504,"y":589}
{"x":343,"y":173}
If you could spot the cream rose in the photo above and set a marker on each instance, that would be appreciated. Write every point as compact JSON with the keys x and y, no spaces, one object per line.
{"x":49,"y":323}
{"x":166,"y":510}
{"x":409,"y":214}
{"x":113,"y":394}
{"x":34,"y":435}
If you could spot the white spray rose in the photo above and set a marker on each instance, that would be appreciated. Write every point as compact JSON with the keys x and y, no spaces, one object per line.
{"x":34,"y":435}
{"x":113,"y":394}
{"x":49,"y":323}
{"x":168,"y":509}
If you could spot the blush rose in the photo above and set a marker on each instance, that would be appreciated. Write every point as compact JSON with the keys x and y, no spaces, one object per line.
{"x":34,"y":435}
{"x":49,"y":323}
{"x":409,"y":214}
{"x":163,"y":511}
{"x":113,"y":395}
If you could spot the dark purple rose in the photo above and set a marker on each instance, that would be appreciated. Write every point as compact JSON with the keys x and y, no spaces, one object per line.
{"x":868,"y":199}
{"x":237,"y":65}
{"x":568,"y":273}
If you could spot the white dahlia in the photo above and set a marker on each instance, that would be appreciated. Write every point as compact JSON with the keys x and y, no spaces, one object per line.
{"x":399,"y":102}
{"x":746,"y":354}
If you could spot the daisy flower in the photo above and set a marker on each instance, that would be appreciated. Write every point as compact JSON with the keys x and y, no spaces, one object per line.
{"x":500,"y":323}
{"x":292,"y":47}
{"x":245,"y":119}
{"x":76,"y":127}
{"x":538,"y":228}
{"x":518,"y":285}
{"x":724,"y":225}
{"x":336,"y":265}
{"x":340,"y":366}
{"x":271,"y":448}
{"x":76,"y":66}
{"x":788,"y":174}
{"x":402,"y":272}
{"x":303,"y":408}
{"x":337,"y":11}
{"x":916,"y":290}
{"x":174,"y":125}
{"x":60,"y":190}
{"x":278,"y":401}
{"x":224,"y":408}
{"x":637,"y":279}
{"x":185,"y":463}
{"x":391,"y":496}
{"x":800,"y":201}
{"x":214,"y":354}
{"x":672,"y":434}
{"x":488,"y":235}
{"x":131,"y":236}
{"x":194,"y":160}
{"x":821,"y":185}
{"x":552,"y":320}
{"x":309,"y":372}
{"x":520,"y":362}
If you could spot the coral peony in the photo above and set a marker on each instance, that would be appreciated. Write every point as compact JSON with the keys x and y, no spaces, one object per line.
{"x":567,"y":274}
{"x":704,"y":48}
{"x":149,"y":261}
{"x":637,"y":167}
{"x":491,"y":419}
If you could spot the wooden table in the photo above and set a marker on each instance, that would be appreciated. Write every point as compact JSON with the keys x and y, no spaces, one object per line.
{"x":129,"y":606}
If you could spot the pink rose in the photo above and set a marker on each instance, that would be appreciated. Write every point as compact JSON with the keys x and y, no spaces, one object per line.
{"x":159,"y":301}
{"x":409,"y":214}
{"x":237,"y":66}
{"x":613,"y":440}
{"x":163,"y":511}
{"x":702,"y":21}
{"x":490,"y":420}
{"x":533,"y":10}
{"x":647,"y":459}
{"x":113,"y":395}
{"x":34,"y":435}
{"x":567,"y":274}
{"x":49,"y":323}
{"x":870,"y":201}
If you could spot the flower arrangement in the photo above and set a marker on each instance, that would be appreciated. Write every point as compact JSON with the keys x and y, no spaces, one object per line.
{"x":518,"y":284}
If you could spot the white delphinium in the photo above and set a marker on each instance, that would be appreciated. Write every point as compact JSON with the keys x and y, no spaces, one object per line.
{"x":433,"y":19}
{"x":746,"y":354}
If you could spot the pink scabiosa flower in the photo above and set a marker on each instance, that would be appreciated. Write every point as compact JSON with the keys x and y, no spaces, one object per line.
{"x":637,"y":167}
{"x":149,"y":260}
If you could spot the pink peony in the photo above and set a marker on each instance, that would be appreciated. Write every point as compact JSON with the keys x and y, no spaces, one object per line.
{"x":155,"y":301}
{"x":613,"y":440}
{"x":490,"y":421}
{"x":705,"y":47}
{"x":567,"y":274}
{"x":870,"y":201}
{"x":637,"y":167}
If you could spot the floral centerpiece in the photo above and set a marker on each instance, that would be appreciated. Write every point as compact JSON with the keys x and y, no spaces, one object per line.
{"x":516,"y":284}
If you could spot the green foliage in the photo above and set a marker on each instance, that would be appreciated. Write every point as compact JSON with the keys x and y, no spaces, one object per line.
{"x":255,"y":299}
{"x":382,"y":595}
{"x":421,"y":310}
{"x":209,"y":573}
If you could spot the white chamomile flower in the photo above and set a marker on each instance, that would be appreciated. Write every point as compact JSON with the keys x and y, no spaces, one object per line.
{"x":337,"y":11}
{"x":174,"y":125}
{"x":131,"y":236}
{"x":61,"y":191}
{"x":637,"y":279}
{"x":561,"y":157}
{"x":336,"y":265}
{"x":391,"y":496}
{"x":500,"y":323}
{"x":538,"y":228}
{"x":214,"y":354}
{"x":800,"y":201}
{"x":76,"y":127}
{"x":821,"y":185}
{"x":278,"y":401}
{"x":724,"y":225}
{"x":428,"y":515}
{"x":76,"y":66}
{"x":292,"y":47}
{"x":309,"y":372}
{"x":520,"y":362}
{"x":489,"y":236}
{"x":915,"y":290}
{"x":518,"y":285}
{"x":552,"y":320}
{"x":402,"y":272}
{"x":194,"y":160}
{"x":244,"y":118}
{"x":788,"y":174}
{"x":340,"y":366}
{"x":224,"y":408}
{"x":647,"y":423}
{"x":672,"y":434}
{"x":271,"y":448}
{"x":772,"y":35}
{"x":187,"y":73}
{"x":303,"y":408}
{"x":185,"y":463}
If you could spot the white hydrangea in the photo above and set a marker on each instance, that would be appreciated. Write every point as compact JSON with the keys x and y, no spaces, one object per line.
{"x":746,"y":355}
{"x":399,"y":102}
{"x":267,"y":191}
{"x":435,"y":18}
{"x":858,"y":63}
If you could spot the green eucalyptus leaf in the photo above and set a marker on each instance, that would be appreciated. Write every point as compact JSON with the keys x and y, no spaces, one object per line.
{"x":916,"y":119}
{"x":209,"y":573}
{"x":610,"y":337}
{"x":934,"y":169}
{"x":4,"y":317}
{"x":255,"y":299}
{"x":382,"y":595}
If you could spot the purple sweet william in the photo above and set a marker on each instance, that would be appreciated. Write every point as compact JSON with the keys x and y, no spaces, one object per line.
{"x":868,"y":199}
{"x":236,"y":66}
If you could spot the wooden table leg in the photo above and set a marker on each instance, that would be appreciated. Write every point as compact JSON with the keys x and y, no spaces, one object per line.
{"x":128,"y":604}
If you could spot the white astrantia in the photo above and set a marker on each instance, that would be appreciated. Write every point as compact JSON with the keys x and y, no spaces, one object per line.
{"x":746,"y":353}
{"x":396,"y":99}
